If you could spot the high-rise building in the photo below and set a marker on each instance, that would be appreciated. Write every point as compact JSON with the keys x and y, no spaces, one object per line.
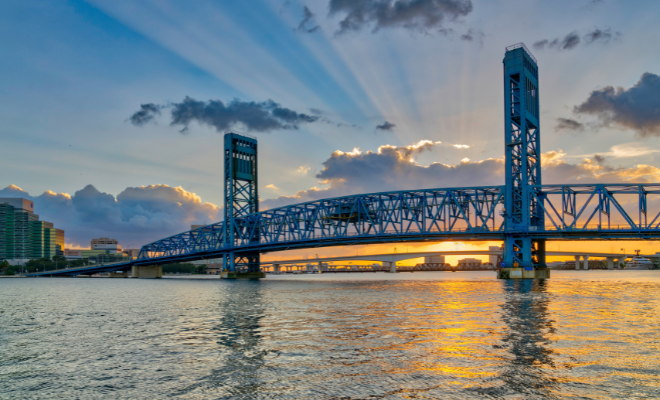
{"x":22,"y":236}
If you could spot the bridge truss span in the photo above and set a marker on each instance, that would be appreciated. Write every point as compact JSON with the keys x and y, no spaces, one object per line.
{"x":596,"y":211}
{"x":367,"y":218}
{"x":617,"y":211}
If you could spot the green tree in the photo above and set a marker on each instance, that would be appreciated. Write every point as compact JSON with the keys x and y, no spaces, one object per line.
{"x":181,"y":268}
{"x":4,"y":267}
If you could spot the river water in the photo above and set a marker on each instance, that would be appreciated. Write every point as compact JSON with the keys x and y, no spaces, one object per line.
{"x":428,"y":335}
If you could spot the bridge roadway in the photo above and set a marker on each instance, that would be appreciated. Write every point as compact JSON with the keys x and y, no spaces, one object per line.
{"x":389,"y":258}
{"x":395,"y":257}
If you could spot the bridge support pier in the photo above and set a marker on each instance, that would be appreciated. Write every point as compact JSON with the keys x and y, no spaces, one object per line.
{"x":577,"y":262}
{"x":147,"y":271}
{"x":610,"y":262}
{"x":391,"y":265}
{"x":586,"y":263}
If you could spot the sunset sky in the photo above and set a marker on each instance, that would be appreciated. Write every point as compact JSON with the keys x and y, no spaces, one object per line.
{"x":113,"y":111}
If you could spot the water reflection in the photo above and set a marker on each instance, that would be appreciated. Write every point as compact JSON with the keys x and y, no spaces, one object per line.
{"x":240,"y":354}
{"x":328,"y":339}
{"x":527,"y":341}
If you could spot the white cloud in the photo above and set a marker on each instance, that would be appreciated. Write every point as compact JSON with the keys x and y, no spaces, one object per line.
{"x":302,"y":170}
{"x":136,"y":216}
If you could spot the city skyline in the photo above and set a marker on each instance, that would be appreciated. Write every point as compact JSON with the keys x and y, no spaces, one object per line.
{"x":409,"y":104}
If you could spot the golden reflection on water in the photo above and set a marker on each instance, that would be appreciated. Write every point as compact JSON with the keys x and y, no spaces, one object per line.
{"x":334,"y":339}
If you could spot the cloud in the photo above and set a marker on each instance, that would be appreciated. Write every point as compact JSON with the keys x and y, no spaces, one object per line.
{"x":566,"y":124}
{"x":637,"y":108}
{"x":603,"y":36}
{"x":386,"y":126}
{"x":394,"y":168}
{"x":307,"y":19}
{"x":568,"y":42}
{"x":572,"y":40}
{"x":474,"y":34}
{"x":252,"y":116}
{"x":418,"y":15}
{"x":137,"y":215}
{"x":556,"y":171}
{"x":272,"y":187}
{"x":303,"y":170}
{"x":391,"y":168}
{"x":147,"y":113}
{"x":461,"y":146}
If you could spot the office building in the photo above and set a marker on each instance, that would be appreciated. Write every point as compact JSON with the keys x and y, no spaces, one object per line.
{"x":102,"y":250}
{"x":23,"y":237}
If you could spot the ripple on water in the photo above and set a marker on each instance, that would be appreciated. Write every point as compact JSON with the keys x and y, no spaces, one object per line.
{"x":325,"y":338}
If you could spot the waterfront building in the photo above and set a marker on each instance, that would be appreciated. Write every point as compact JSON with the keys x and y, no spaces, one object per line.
{"x":469,"y":263}
{"x":434,"y":259}
{"x":23,"y":236}
{"x":105,"y":244}
{"x":102,"y":250}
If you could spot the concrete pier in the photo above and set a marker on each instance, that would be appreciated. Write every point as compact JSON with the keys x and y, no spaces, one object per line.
{"x":522,"y":273}
{"x":149,"y":271}
{"x":391,"y":265}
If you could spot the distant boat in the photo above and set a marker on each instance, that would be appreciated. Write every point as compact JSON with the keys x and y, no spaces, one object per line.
{"x":638,"y":262}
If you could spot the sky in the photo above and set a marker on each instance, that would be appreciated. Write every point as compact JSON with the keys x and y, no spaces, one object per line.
{"x":113,"y":112}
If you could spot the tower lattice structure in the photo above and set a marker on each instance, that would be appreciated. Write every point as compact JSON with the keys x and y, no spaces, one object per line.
{"x":241,"y":199}
{"x":522,"y":212}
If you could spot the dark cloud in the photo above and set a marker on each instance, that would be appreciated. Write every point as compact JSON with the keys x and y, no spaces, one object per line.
{"x":255,"y":117}
{"x":146,"y":114}
{"x":137,"y":215}
{"x":304,"y":27}
{"x":391,"y":168}
{"x":603,"y":36}
{"x":637,"y":108}
{"x":599,"y":159}
{"x":572,"y":40}
{"x":472,"y":35}
{"x":386,"y":126}
{"x":566,"y":124}
{"x":568,"y":42}
{"x":419,"y":15}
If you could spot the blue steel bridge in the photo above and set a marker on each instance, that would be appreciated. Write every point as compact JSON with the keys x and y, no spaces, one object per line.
{"x":523,"y":213}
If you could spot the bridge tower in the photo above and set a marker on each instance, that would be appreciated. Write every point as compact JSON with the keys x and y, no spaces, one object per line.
{"x":523,"y":213}
{"x":241,"y":199}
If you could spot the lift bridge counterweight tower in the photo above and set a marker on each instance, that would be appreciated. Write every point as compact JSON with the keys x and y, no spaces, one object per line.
{"x":241,"y":199}
{"x":522,"y":212}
